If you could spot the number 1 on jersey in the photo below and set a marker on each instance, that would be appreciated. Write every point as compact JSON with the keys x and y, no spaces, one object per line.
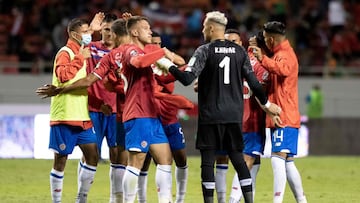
{"x":225,"y":63}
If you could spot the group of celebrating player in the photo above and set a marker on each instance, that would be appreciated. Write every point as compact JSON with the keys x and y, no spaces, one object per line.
{"x":134,"y":107}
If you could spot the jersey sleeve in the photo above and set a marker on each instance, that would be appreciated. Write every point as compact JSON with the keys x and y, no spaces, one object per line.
{"x":66,"y":68}
{"x":151,"y":48}
{"x":197,"y":61}
{"x":138,"y":59}
{"x":194,"y":67}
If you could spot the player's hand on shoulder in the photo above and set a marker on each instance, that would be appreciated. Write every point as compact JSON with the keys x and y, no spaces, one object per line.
{"x":85,"y":51}
{"x":48,"y":91}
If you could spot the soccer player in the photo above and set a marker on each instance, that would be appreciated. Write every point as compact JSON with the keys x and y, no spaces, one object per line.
{"x":69,"y":116}
{"x":102,"y":103}
{"x":173,"y":131}
{"x":220,"y":66}
{"x":109,"y":66}
{"x":283,"y":68}
{"x":253,"y":121}
{"x":144,"y":132}
{"x":222,"y":159}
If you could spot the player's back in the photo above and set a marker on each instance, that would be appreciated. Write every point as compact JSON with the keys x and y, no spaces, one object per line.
{"x":220,"y":82}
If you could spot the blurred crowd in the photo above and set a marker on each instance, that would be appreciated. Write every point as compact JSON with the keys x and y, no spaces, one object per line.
{"x":323,"y":32}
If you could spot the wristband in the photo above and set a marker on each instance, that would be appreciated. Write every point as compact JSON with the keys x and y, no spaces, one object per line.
{"x":267,"y":105}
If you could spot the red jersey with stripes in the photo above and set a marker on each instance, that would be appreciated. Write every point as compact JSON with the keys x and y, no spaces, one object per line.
{"x":139,"y":83}
{"x":97,"y":93}
{"x":254,"y":116}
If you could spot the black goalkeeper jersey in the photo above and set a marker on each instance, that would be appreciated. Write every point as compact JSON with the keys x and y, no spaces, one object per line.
{"x":220,"y":66}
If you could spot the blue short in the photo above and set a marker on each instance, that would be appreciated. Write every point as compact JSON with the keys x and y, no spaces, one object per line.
{"x":105,"y":126}
{"x":143,"y":132}
{"x":285,"y":140}
{"x":175,"y":136}
{"x":120,"y":134}
{"x":254,"y":143}
{"x":64,"y":138}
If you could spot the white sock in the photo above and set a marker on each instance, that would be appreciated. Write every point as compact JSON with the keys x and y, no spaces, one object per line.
{"x":86,"y":177}
{"x":181,"y":174}
{"x":220,"y":182}
{"x":130,"y":181}
{"x":116,"y":174}
{"x":279,"y":172}
{"x":294,"y":179}
{"x":142,"y":186}
{"x":253,"y":172}
{"x":56,"y":184}
{"x":236,"y":193}
{"x":163,"y":180}
{"x":80,"y":164}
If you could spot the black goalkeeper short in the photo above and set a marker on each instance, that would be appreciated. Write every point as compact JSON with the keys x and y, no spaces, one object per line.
{"x":227,"y":137}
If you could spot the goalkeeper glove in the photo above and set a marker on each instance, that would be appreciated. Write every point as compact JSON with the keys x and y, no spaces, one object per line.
{"x":164,"y":64}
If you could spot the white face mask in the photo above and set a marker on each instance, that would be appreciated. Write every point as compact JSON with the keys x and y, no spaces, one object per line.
{"x":86,"y":39}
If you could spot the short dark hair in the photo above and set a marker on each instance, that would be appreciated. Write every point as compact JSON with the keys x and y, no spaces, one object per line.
{"x":133,"y":20}
{"x":75,"y":24}
{"x":275,"y":27}
{"x":119,"y":27}
{"x":110,"y":17}
{"x":232,"y":31}
{"x":260,"y":39}
{"x":155,"y":34}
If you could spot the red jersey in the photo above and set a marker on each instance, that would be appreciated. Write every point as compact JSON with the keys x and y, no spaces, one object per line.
{"x":254,"y":116}
{"x":139,"y":83}
{"x":98,"y":95}
{"x":283,"y":69}
{"x":169,"y":104}
{"x":108,"y":66}
{"x":169,"y":111}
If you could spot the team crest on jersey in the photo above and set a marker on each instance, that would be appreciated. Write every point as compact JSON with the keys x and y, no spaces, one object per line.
{"x":144,"y":144}
{"x":62,"y":147}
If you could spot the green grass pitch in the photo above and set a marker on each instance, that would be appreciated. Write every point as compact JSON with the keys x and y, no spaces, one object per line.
{"x":327,"y":179}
